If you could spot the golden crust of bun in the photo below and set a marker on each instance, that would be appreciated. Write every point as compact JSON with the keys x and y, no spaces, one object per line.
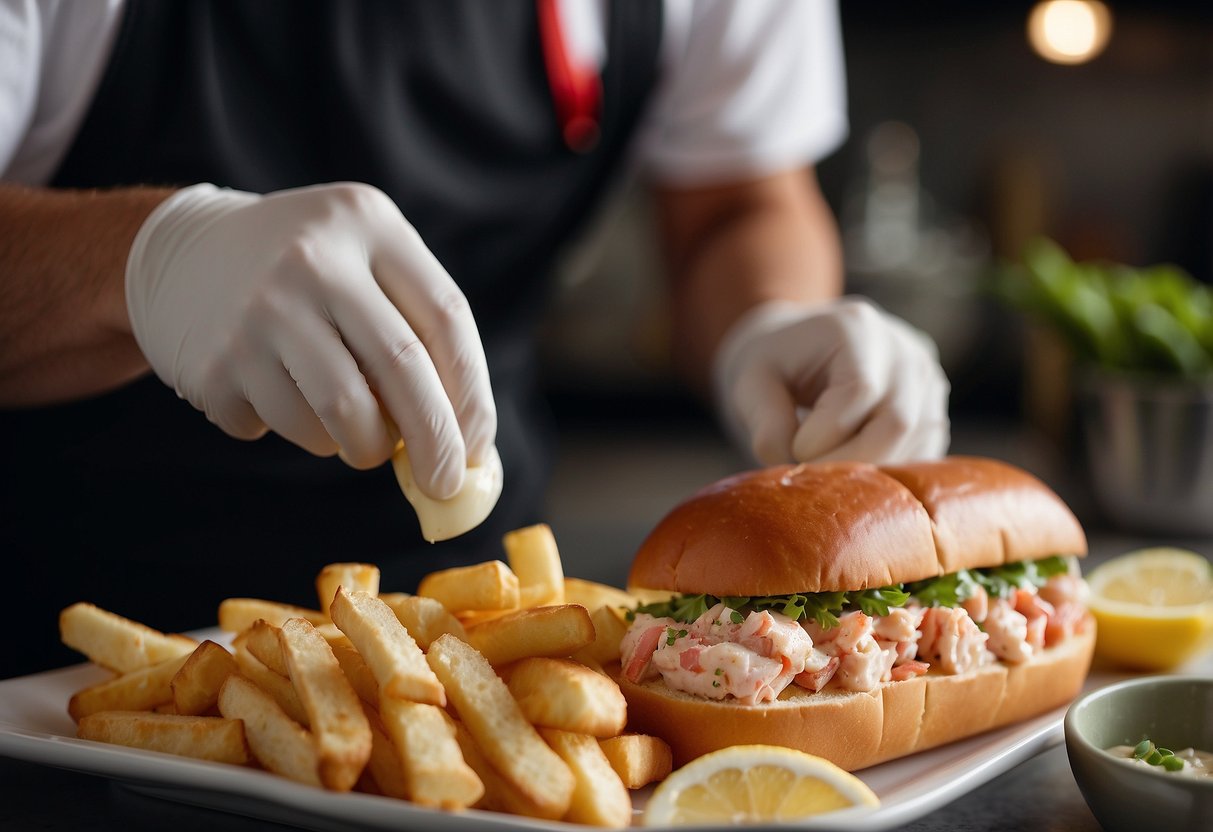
{"x":857,"y":730}
{"x":844,"y":525}
{"x":987,"y":513}
{"x":791,"y":528}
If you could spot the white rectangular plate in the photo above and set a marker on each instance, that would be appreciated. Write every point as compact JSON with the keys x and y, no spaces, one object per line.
{"x":34,"y":726}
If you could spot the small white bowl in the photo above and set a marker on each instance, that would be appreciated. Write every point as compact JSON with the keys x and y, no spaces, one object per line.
{"x":1174,"y":712}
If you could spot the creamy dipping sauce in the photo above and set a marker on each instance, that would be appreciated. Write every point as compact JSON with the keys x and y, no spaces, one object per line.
{"x":1196,"y":763}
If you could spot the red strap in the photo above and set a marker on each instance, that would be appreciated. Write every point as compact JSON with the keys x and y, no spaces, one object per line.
{"x":576,"y":88}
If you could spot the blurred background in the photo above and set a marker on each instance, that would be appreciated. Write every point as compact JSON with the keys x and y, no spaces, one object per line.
{"x":974,"y":128}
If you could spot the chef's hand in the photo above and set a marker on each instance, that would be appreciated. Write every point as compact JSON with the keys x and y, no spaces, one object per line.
{"x":301,"y":312}
{"x":844,"y":380}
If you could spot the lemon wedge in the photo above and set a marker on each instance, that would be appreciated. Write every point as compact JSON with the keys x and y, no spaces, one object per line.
{"x":1153,"y":607}
{"x":747,"y":783}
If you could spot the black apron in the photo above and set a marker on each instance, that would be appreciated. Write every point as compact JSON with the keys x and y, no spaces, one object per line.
{"x":132,"y":500}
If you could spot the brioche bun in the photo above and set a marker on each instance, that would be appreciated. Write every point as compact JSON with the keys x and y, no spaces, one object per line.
{"x":848,"y":526}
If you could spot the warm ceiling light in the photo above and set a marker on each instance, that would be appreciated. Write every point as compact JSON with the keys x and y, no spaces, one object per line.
{"x":1069,"y":31}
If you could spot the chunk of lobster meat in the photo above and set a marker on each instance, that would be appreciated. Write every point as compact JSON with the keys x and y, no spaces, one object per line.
{"x":904,"y":651}
{"x":719,"y":670}
{"x":720,"y":623}
{"x":952,"y":641}
{"x":852,"y":627}
{"x":1060,"y":589}
{"x":639,"y":643}
{"x":774,"y":635}
{"x":1031,"y":605}
{"x":864,"y":668}
{"x":901,"y":624}
{"x":909,"y":670}
{"x":977,"y":605}
{"x":817,"y":679}
{"x":1068,"y":618}
{"x":1008,"y":633}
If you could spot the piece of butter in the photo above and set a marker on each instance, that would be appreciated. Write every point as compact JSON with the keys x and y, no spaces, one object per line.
{"x":444,"y":519}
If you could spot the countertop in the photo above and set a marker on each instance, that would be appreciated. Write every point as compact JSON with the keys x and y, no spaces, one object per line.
{"x":608,"y":490}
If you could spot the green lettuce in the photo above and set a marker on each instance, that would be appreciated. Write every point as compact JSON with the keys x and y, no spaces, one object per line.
{"x":822,"y":607}
{"x":949,"y":590}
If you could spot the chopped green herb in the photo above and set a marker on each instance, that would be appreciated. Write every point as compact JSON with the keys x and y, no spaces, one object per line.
{"x":1155,"y":756}
{"x":720,"y":671}
{"x":672,"y":635}
{"x":736,"y":617}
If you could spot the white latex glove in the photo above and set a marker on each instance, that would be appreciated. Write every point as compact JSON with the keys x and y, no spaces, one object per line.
{"x":301,"y":312}
{"x":845,"y":380}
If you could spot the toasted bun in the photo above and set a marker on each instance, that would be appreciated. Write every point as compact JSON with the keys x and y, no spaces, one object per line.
{"x":857,"y":730}
{"x":987,"y":513}
{"x":845,"y":525}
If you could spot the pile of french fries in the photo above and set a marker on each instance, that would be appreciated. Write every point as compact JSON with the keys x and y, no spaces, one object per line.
{"x":484,"y":690}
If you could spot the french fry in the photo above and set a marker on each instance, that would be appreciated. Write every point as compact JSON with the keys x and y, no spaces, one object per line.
{"x":599,"y":796}
{"x":638,"y":759}
{"x":278,"y":688}
{"x":609,"y":629}
{"x":351,"y":696}
{"x":495,"y":721}
{"x":352,"y":576}
{"x":202,"y":737}
{"x":342,"y":735}
{"x":366,"y":782}
{"x":543,"y":631}
{"x":562,"y":694}
{"x":470,"y":618}
{"x":394,"y":658}
{"x":592,"y":595}
{"x":261,"y":639}
{"x":534,"y":557}
{"x":435,"y":773}
{"x":140,"y":690}
{"x":278,"y":742}
{"x":424,"y":618}
{"x":383,"y":767}
{"x":485,"y":586}
{"x":238,"y":614}
{"x":499,"y":794}
{"x":118,"y":643}
{"x":331,"y":633}
{"x":359,"y":675}
{"x":196,"y":685}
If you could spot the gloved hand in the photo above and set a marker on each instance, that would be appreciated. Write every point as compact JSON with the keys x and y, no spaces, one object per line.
{"x":845,"y":380}
{"x":302,"y":312}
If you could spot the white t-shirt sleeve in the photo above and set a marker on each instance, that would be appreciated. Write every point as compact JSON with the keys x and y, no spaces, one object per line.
{"x":749,"y":87}
{"x":52,"y":56}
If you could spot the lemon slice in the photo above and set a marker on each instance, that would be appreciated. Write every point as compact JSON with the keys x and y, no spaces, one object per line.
{"x":1153,"y":607}
{"x":746,"y":783}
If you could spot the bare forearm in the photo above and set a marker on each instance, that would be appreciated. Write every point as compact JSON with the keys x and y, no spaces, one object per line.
{"x":64,"y":332}
{"x":730,"y":249}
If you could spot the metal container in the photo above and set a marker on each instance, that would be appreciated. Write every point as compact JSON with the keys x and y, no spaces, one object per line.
{"x":1149,"y":446}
